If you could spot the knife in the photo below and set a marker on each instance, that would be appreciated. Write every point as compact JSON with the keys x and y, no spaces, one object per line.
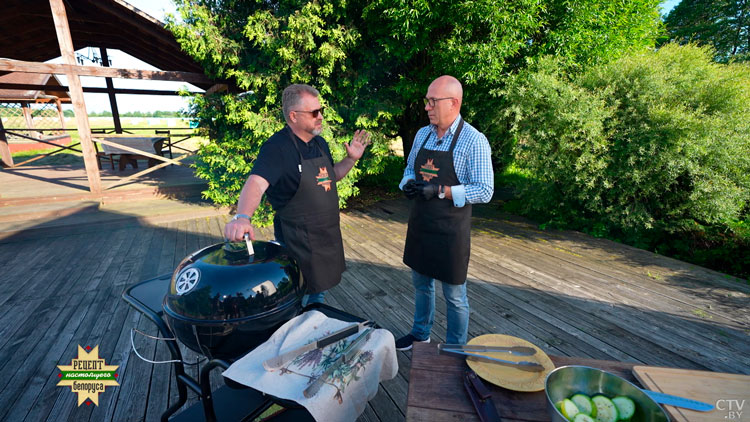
{"x":346,"y":356}
{"x":679,"y":401}
{"x":523,"y":365}
{"x":513,"y":350}
{"x":481,"y":397}
{"x":277,"y":362}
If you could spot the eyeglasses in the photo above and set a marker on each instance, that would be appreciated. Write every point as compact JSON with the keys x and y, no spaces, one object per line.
{"x":315,"y":113}
{"x":432,"y":101}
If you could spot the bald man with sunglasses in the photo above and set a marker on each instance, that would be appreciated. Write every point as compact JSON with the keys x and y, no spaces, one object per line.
{"x":295,"y":170}
{"x":448,"y":169}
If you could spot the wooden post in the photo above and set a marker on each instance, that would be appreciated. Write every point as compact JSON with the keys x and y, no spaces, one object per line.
{"x":76,"y":94}
{"x":29,"y":121}
{"x":60,"y":114}
{"x":6,"y":158}
{"x":111,"y":93}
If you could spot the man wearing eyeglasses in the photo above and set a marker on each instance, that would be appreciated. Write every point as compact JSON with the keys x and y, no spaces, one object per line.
{"x":448,"y":169}
{"x":295,"y":170}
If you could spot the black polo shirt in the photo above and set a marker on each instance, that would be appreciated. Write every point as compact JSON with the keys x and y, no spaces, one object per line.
{"x":278,"y":163}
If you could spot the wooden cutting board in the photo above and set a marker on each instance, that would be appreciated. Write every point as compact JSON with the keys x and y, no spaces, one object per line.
{"x":728,"y":393}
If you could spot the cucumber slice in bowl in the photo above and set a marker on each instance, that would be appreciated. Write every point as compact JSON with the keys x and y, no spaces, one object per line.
{"x":584,"y":404}
{"x":581,"y":417}
{"x":625,"y":407}
{"x":606,"y":411}
{"x":569,"y":409}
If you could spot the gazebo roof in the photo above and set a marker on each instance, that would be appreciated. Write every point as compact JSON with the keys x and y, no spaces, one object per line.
{"x":15,"y":95}
{"x":27,"y":32}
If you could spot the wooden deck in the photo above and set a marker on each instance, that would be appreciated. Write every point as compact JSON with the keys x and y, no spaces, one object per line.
{"x":46,"y":184}
{"x":566,"y":292}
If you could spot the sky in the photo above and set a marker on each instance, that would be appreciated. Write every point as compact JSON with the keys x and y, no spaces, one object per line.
{"x":158,"y":9}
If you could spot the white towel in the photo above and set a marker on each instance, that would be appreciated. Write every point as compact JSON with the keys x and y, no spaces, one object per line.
{"x":342,"y":398}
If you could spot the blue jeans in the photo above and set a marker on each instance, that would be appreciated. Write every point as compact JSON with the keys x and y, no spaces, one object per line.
{"x":424,"y":313}
{"x":314,"y":298}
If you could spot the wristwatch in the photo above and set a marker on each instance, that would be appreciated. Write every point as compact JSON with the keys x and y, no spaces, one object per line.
{"x":236,"y":216}
{"x":441,"y":192}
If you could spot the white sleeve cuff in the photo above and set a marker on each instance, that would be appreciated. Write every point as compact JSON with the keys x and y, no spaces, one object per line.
{"x":459,"y":195}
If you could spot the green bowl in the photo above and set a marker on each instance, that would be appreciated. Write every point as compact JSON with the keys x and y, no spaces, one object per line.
{"x":566,"y":381}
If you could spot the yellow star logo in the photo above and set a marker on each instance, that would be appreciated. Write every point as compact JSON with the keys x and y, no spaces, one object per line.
{"x":88,"y":375}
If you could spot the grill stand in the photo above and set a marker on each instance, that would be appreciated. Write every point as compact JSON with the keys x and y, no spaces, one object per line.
{"x":234,"y":401}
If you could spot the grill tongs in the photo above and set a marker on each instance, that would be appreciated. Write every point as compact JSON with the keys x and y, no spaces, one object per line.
{"x":472,"y":352}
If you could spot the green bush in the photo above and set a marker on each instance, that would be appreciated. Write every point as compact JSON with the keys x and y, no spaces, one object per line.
{"x":652,"y":140}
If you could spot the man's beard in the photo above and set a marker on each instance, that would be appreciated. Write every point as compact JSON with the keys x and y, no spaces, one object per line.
{"x":317,"y":132}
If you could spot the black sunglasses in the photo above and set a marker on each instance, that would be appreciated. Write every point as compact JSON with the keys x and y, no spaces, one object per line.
{"x":315,"y":113}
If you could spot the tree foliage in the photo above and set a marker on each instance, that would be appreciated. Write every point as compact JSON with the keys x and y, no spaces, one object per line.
{"x":372,"y":62}
{"x":658,"y":139}
{"x":722,"y":24}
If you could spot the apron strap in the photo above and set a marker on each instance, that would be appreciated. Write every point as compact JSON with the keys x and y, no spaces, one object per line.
{"x":294,"y":142}
{"x":453,"y":142}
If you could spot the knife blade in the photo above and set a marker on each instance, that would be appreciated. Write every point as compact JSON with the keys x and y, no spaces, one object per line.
{"x":346,"y":356}
{"x":282,"y":359}
{"x":513,"y":350}
{"x":679,"y":401}
{"x":523,"y":365}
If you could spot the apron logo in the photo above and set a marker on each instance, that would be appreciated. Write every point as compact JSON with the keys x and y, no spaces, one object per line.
{"x":428,"y":171}
{"x":323,"y":179}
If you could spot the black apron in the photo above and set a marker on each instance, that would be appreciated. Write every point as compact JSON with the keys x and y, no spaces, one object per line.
{"x":438,"y":240}
{"x":310,"y":223}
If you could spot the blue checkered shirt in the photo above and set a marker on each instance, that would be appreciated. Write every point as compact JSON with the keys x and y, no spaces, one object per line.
{"x":471,"y":159}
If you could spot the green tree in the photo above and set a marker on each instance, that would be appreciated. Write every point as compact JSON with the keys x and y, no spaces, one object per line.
{"x":722,"y":24}
{"x":372,"y":62}
{"x":657,"y":140}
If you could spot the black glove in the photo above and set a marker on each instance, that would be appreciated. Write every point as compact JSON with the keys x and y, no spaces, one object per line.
{"x":426,"y":190}
{"x":410,"y":189}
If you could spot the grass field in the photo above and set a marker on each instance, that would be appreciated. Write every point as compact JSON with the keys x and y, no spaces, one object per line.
{"x":137,"y":125}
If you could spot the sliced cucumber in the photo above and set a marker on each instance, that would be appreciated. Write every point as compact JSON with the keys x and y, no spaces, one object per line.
{"x":583,"y":418}
{"x":584,"y":404}
{"x":606,"y":411}
{"x":569,"y":409}
{"x":625,"y":407}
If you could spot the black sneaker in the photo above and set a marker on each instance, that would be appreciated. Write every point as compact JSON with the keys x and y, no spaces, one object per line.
{"x":405,"y":342}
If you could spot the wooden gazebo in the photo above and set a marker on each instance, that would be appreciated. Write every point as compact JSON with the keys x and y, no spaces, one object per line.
{"x":45,"y":101}
{"x":34,"y":31}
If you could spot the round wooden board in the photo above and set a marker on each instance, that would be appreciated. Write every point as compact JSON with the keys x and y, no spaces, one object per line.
{"x":507,"y":376}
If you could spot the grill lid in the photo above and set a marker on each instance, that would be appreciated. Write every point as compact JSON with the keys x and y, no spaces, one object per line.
{"x":222,"y":283}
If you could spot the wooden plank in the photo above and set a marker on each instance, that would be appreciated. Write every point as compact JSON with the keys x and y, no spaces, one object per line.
{"x":46,"y":355}
{"x":111,"y":316}
{"x":86,"y":272}
{"x":104,"y":308}
{"x":76,"y":94}
{"x":93,"y":90}
{"x":111,"y":72}
{"x":628,"y":319}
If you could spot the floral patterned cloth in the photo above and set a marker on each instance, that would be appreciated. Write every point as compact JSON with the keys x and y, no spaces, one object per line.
{"x":345,"y":394}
